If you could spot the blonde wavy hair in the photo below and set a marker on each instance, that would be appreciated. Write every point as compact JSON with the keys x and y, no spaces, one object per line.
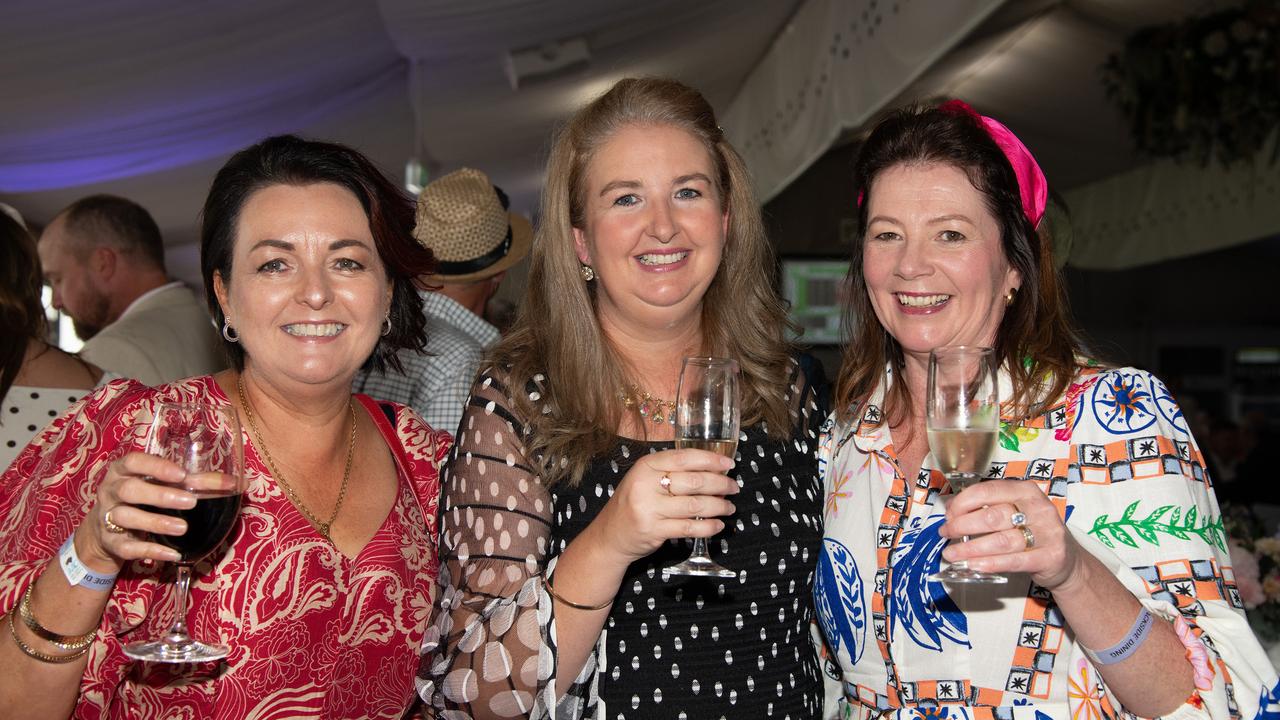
{"x":557,"y":343}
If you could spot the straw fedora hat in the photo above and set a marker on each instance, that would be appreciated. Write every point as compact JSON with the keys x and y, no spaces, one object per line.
{"x":463,"y":219}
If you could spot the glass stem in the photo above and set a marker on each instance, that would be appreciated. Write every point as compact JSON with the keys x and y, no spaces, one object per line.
{"x":700,"y":548}
{"x":178,"y":633}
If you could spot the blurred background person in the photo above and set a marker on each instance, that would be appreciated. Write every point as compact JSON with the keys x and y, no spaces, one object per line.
{"x":463,"y":220}
{"x":564,"y":494}
{"x":324,"y":588}
{"x":37,"y":380}
{"x":104,"y":258}
{"x":1099,"y":513}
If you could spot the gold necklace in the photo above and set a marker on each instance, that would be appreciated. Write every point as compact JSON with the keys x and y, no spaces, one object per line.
{"x":650,"y":406}
{"x":323,"y":527}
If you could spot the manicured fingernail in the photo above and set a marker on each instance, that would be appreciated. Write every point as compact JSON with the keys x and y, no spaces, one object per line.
{"x":185,"y":500}
{"x":178,"y":527}
{"x":171,"y":555}
{"x":726,"y":463}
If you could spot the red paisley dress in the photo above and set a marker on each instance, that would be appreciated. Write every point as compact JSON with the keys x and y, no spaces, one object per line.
{"x":312,"y":632}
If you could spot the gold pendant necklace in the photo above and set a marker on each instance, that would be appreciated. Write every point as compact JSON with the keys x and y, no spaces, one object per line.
{"x":656,"y":409}
{"x":322,"y":527}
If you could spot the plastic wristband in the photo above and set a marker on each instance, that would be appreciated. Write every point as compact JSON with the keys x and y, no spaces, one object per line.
{"x":1127,"y":645}
{"x":78,"y":573}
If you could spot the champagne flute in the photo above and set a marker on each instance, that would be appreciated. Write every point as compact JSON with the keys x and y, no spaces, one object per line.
{"x":707,"y":418}
{"x":963,"y":420}
{"x":204,"y":440}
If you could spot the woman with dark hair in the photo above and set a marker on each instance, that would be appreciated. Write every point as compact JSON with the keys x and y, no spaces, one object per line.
{"x":564,"y":498}
{"x":1120,"y":597}
{"x":324,"y":588}
{"x":36,"y":378}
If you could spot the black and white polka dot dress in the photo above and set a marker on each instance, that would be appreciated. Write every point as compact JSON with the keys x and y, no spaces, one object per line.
{"x":688,"y":648}
{"x":25,"y":410}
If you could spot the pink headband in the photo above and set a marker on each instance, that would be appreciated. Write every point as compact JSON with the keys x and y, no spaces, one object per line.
{"x":1031,"y":183}
{"x":1032,"y":186}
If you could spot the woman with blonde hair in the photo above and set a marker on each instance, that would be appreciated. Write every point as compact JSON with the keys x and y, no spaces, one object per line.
{"x":564,"y":498}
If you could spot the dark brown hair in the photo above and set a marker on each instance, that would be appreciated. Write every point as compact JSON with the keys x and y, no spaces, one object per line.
{"x":1036,"y":340}
{"x":289,"y":160}
{"x":557,"y":332}
{"x":123,"y":224}
{"x":21,"y":312}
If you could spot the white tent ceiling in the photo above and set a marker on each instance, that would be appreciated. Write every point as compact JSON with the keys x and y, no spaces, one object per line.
{"x":145,"y":98}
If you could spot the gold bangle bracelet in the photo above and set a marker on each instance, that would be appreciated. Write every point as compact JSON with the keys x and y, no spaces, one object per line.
{"x":36,"y":654}
{"x":67,"y":643}
{"x":546,"y":583}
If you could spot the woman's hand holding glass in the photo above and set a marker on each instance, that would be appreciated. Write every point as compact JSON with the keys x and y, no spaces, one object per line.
{"x":139,"y":479}
{"x":646,"y":511}
{"x":1041,"y":547}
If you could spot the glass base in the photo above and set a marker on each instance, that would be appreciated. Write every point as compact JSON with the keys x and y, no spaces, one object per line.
{"x":170,"y":650}
{"x":699,"y":566}
{"x":959,"y":573}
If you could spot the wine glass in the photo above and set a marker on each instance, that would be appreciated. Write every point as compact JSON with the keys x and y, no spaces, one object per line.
{"x":204,"y":440}
{"x":707,"y":418}
{"x":963,"y":420}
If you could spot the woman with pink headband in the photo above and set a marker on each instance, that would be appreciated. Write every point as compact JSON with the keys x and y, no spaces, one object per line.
{"x":1097,"y":509}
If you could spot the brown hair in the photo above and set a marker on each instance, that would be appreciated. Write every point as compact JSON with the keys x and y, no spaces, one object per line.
{"x":21,"y":312}
{"x":290,"y":160}
{"x":1036,"y":340}
{"x":557,"y":332}
{"x":123,"y":224}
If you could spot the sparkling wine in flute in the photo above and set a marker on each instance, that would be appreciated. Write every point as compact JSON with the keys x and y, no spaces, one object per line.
{"x":962,"y":454}
{"x":962,"y":419}
{"x":707,"y":418}
{"x":720,"y":447}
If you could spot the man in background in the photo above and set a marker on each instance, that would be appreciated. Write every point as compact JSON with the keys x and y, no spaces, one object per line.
{"x":463,"y":219}
{"x":104,"y":259}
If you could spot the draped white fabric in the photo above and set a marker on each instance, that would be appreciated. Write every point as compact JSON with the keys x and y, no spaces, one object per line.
{"x":1166,"y":210}
{"x":833,"y":68}
{"x":98,"y":91}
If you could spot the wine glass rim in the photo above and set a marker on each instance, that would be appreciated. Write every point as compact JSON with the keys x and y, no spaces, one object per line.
{"x":956,"y":349}
{"x":708,"y":360}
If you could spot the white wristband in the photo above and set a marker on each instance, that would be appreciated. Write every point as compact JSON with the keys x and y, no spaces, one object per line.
{"x":78,"y":573}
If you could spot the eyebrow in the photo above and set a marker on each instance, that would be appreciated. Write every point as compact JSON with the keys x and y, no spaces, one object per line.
{"x":289,"y":247}
{"x":950,"y":218}
{"x":617,"y":184}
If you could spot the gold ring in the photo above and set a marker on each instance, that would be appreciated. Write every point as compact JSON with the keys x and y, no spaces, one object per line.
{"x":1028,"y":537}
{"x":665,"y":482}
{"x":112,"y":527}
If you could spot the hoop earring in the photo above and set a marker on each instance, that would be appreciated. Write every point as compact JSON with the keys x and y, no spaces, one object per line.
{"x":1009,"y":296}
{"x":229,"y":333}
{"x":386,"y":324}
{"x":588,"y":273}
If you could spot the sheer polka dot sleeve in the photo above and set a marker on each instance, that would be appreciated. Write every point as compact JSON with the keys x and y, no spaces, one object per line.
{"x":491,"y":651}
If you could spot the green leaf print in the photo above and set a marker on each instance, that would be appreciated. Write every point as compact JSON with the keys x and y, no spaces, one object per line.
{"x":1008,"y":440}
{"x":1149,"y":529}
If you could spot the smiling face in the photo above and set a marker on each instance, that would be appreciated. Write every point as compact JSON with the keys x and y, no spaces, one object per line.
{"x":932,"y":259}
{"x":653,"y":228}
{"x":308,"y":291}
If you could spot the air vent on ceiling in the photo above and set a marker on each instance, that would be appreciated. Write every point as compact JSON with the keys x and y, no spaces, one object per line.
{"x":544,"y":61}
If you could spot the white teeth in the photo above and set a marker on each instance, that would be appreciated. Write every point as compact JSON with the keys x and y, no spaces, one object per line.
{"x":922,"y":300}
{"x":315,"y":329}
{"x":662,"y":259}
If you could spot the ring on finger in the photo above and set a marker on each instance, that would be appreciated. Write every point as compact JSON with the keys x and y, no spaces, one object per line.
{"x":1028,"y":537}
{"x":111,"y":526}
{"x":1017,"y":518}
{"x":665,"y":482}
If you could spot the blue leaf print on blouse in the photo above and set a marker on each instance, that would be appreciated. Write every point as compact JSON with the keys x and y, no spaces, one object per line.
{"x":838,"y":596}
{"x":920,"y":605}
{"x":1269,"y":704}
